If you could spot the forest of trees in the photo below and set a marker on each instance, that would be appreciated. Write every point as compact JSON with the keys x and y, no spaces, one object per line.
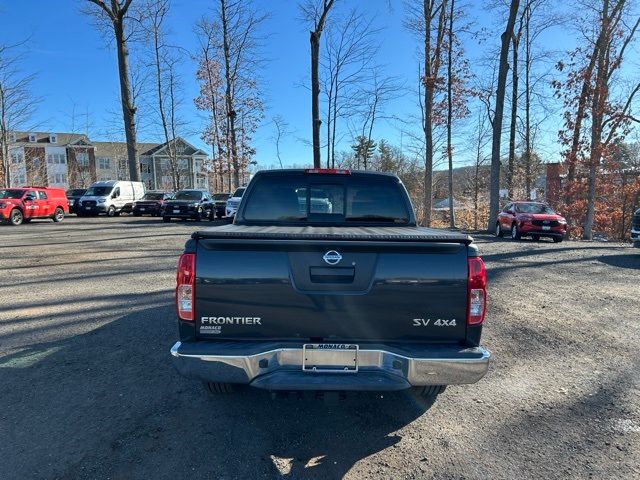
{"x":497,"y":109}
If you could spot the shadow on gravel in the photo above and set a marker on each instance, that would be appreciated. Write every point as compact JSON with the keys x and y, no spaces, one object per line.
{"x":630,"y":260}
{"x":109,"y":404}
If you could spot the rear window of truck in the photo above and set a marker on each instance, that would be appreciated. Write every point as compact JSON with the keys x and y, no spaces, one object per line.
{"x":310,"y":199}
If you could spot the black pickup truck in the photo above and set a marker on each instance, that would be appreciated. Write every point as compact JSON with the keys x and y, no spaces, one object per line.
{"x":324,"y":282}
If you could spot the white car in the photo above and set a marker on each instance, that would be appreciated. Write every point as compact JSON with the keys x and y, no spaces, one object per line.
{"x":233,"y":202}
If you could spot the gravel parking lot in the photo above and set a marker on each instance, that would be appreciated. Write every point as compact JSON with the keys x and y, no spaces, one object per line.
{"x":88,"y":391}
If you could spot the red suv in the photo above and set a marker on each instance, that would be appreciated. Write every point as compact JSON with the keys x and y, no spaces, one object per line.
{"x":531,"y":219}
{"x":18,"y":205}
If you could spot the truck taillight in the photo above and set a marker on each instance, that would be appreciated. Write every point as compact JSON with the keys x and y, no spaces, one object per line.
{"x":185,"y":283}
{"x":477,"y":288}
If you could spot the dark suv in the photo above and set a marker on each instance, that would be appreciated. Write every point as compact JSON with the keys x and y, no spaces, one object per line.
{"x":74,"y":195}
{"x":221,"y":202}
{"x":151,"y":204}
{"x":193,"y":204}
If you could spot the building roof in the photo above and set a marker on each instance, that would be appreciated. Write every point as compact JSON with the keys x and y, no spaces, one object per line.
{"x":112,"y":149}
{"x":43,"y":137}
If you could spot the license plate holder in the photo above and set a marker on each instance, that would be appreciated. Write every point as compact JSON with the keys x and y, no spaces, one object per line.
{"x":330,"y":357}
{"x":546,"y":227}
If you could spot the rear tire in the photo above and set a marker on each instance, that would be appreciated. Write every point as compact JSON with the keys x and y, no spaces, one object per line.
{"x":217,"y":388}
{"x":16,"y":217}
{"x":58,"y":215}
{"x":499,"y":232}
{"x":429,"y":394}
{"x":111,"y":211}
{"x":557,"y":239}
{"x":515,"y":234}
{"x":535,"y":238}
{"x":166,"y":219}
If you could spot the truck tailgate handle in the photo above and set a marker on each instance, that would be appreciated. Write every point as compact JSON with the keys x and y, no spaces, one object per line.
{"x":332,"y":274}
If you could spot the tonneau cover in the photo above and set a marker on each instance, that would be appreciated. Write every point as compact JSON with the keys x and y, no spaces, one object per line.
{"x":394,"y":234}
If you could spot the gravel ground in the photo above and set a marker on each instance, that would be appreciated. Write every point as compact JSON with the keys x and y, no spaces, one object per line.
{"x":87,"y":320}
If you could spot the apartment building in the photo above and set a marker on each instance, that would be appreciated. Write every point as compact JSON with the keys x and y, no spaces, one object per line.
{"x":68,"y":160}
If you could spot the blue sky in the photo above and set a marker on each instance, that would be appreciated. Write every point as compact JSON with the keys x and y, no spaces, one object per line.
{"x":75,"y":68}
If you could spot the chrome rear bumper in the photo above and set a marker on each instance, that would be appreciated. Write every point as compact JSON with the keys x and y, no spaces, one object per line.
{"x":276,"y":367}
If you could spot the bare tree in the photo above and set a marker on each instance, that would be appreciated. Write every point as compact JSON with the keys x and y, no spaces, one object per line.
{"x":116,"y":14}
{"x":494,"y":194}
{"x":375,"y":95}
{"x":421,"y":21}
{"x":350,"y":48}
{"x":316,"y":12}
{"x":603,"y":116}
{"x":281,"y":130}
{"x":452,"y":212}
{"x":167,"y":86}
{"x":211,"y":99}
{"x":17,"y":103}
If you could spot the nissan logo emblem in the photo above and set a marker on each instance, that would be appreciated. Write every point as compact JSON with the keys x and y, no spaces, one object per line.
{"x":332,"y":257}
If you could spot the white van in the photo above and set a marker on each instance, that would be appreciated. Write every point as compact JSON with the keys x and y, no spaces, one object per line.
{"x":109,"y":197}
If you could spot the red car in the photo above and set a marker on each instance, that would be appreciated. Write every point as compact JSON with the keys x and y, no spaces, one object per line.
{"x":531,"y":219}
{"x":21,"y":205}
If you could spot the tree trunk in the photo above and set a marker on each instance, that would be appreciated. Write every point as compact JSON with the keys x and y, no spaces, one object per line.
{"x":228,"y":94}
{"x":427,"y":125}
{"x":599,"y":101}
{"x":315,"y":100}
{"x":514,"y":115}
{"x":527,"y":102}
{"x":452,"y":215}
{"x":494,"y":203}
{"x":316,"y":122}
{"x":128,"y":109}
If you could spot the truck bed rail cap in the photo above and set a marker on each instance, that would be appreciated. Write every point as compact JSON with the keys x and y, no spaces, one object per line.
{"x":396,"y":234}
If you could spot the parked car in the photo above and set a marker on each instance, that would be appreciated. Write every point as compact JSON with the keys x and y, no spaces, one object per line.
{"x":74,"y":195}
{"x":531,"y":219}
{"x":21,"y":205}
{"x":151,"y":204}
{"x":635,"y":229}
{"x":193,"y":204}
{"x":233,"y":202}
{"x":221,"y":202}
{"x":359,"y":298}
{"x":110,"y":197}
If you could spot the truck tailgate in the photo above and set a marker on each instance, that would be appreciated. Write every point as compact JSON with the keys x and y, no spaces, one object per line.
{"x":324,"y":288}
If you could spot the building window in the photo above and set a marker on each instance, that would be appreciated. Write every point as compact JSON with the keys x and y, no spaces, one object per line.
{"x":16,"y":157}
{"x":183,"y":163}
{"x":145,"y":168}
{"x":104,"y":163}
{"x":82,"y":159}
{"x":58,"y":178}
{"x":33,"y":138}
{"x":56,"y":159}
{"x":53,"y":138}
{"x":36,"y":163}
{"x":19,"y":179}
{"x":12,"y":137}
